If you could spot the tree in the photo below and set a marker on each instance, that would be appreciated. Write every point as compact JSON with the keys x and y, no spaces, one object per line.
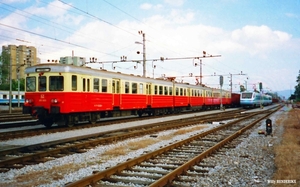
{"x":4,"y":66}
{"x":297,"y":88}
{"x":4,"y":74}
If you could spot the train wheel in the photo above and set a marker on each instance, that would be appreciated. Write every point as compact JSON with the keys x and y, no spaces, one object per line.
{"x":140,"y":113}
{"x":93,"y":118}
{"x":69,"y":121}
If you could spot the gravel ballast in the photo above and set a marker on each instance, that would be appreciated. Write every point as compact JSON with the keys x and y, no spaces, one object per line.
{"x":250,"y":163}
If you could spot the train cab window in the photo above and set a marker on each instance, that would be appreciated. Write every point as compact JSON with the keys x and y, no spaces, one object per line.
{"x":134,"y":88}
{"x":170,"y":91}
{"x":155,"y":90}
{"x":246,"y":95}
{"x":30,"y":84}
{"x":74,"y":82}
{"x":96,"y":85}
{"x":126,"y":87}
{"x":104,"y":85}
{"x":141,"y":88}
{"x":42,"y":83}
{"x":160,"y":88}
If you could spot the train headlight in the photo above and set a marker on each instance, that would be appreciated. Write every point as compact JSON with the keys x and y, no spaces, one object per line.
{"x":29,"y":101}
{"x":54,"y":101}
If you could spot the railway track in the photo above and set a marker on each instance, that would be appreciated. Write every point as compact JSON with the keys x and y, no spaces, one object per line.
{"x":179,"y":164}
{"x":42,"y":130}
{"x":20,"y":156}
{"x":16,"y":119}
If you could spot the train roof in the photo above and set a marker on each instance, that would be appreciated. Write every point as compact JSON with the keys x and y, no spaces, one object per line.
{"x":13,"y":92}
{"x":56,"y":67}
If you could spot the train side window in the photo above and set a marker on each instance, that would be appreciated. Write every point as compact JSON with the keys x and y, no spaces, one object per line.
{"x":141,"y":88}
{"x":126,"y":87}
{"x":104,"y":85}
{"x":83,"y":84}
{"x":30,"y":84}
{"x":88,"y":85}
{"x":166,"y":90}
{"x":96,"y":85}
{"x":155,"y":90}
{"x":56,"y":83}
{"x":42,"y":83}
{"x":170,"y":91}
{"x":74,"y":82}
{"x":134,"y":88}
{"x":4,"y":96}
{"x":177,"y":91}
{"x":181,"y":91}
{"x":160,"y":90}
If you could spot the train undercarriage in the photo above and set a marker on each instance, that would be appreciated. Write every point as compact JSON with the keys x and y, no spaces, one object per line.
{"x":48,"y":118}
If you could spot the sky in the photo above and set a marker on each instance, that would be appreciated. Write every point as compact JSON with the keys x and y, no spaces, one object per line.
{"x":253,"y":41}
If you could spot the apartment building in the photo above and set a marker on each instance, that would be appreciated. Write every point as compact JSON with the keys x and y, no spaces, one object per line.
{"x":21,"y":56}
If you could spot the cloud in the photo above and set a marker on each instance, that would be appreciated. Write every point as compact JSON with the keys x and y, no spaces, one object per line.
{"x":14,"y":1}
{"x":148,"y":6}
{"x":259,"y":39}
{"x":291,"y":15}
{"x":175,"y":2}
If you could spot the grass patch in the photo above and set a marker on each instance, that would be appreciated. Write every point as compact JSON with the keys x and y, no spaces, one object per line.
{"x":287,"y":154}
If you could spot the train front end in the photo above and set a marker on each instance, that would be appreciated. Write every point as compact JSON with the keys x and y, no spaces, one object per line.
{"x":44,"y":92}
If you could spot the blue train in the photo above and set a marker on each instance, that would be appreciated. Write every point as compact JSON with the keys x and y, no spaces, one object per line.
{"x":254,"y":99}
{"x":16,"y":97}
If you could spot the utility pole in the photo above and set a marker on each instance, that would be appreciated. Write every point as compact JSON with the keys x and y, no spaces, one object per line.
{"x":231,"y":79}
{"x":144,"y":52}
{"x":10,"y":83}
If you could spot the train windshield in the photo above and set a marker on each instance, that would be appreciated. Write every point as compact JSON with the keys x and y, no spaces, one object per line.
{"x":246,"y":95}
{"x":30,"y":84}
{"x":56,"y":83}
{"x":42,"y":83}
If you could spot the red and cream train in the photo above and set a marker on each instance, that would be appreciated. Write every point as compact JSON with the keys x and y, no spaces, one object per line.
{"x":68,"y":94}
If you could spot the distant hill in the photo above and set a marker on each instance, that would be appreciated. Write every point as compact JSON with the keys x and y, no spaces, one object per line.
{"x":285,"y":93}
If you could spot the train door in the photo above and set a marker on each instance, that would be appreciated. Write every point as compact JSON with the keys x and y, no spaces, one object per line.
{"x":86,"y":85}
{"x":116,"y":92}
{"x":148,"y":94}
